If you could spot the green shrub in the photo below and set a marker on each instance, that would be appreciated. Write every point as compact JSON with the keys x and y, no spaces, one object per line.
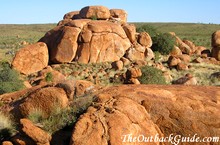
{"x":6,"y":127}
{"x":163,"y":43}
{"x":49,"y":77}
{"x":61,"y":118}
{"x":147,"y":28}
{"x":9,"y":79}
{"x":151,"y":75}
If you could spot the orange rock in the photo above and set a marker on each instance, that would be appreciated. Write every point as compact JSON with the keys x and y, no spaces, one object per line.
{"x":31,"y":58}
{"x":83,"y":87}
{"x":133,"y":73}
{"x":107,"y":43}
{"x":216,"y":53}
{"x":47,"y":100}
{"x":145,"y":40}
{"x":72,"y":15}
{"x":199,"y":49}
{"x":7,"y":143}
{"x":190,"y":44}
{"x":148,"y":110}
{"x":130,"y":31}
{"x":176,"y":51}
{"x":184,"y":57}
{"x":173,"y":61}
{"x":35,"y":133}
{"x":119,"y":13}
{"x":62,"y":43}
{"x":95,"y":12}
{"x":149,"y":54}
{"x":80,"y":23}
{"x":216,"y":39}
{"x":117,"y":65}
{"x":182,"y":66}
{"x":183,"y":46}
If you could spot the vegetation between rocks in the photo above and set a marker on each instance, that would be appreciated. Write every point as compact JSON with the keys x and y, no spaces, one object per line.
{"x":9,"y":79}
{"x":151,"y":75}
{"x":7,"y":128}
{"x":61,"y":118}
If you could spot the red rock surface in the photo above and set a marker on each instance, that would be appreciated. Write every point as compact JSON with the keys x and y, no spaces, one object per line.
{"x":31,"y":58}
{"x":149,"y":110}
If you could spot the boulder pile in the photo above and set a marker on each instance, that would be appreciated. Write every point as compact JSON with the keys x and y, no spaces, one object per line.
{"x":93,"y":34}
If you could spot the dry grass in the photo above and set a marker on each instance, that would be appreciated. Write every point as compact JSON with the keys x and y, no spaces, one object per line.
{"x":202,"y":72}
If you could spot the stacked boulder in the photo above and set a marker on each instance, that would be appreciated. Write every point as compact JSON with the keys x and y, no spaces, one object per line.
{"x":216,"y":45}
{"x":92,"y":35}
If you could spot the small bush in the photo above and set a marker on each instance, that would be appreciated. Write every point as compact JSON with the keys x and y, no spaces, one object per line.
{"x":9,"y":79}
{"x":49,"y":77}
{"x":147,"y":28}
{"x":151,"y":75}
{"x":61,"y":118}
{"x":163,"y":43}
{"x":6,"y":127}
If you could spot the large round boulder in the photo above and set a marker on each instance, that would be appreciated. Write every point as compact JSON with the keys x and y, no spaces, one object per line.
{"x":31,"y":58}
{"x":95,"y":12}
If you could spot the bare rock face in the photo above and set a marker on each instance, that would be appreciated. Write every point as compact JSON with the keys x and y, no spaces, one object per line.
{"x":130,"y":31}
{"x":44,"y":100}
{"x":96,"y":12}
{"x":62,"y":43}
{"x":149,"y":110}
{"x":216,"y":53}
{"x":183,"y":46}
{"x":119,"y":14}
{"x":39,"y":136}
{"x":190,"y":44}
{"x":31,"y":58}
{"x":176,"y":51}
{"x":137,"y":52}
{"x":145,"y":40}
{"x":102,"y":41}
{"x":72,"y":15}
{"x":216,"y":45}
{"x":216,"y":39}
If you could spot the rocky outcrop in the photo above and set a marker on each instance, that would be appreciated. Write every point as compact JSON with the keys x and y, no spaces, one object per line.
{"x":95,"y":12}
{"x":62,"y":43}
{"x":149,"y":110}
{"x":216,"y":45}
{"x":31,"y":58}
{"x":119,"y":15}
{"x":102,"y":41}
{"x":216,"y":39}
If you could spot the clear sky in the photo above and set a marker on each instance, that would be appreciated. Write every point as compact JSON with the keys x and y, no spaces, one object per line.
{"x":51,"y":11}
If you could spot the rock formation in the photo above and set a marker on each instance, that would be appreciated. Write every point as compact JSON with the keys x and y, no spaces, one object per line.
{"x":31,"y":58}
{"x":149,"y":110}
{"x":216,"y":45}
{"x":92,"y":35}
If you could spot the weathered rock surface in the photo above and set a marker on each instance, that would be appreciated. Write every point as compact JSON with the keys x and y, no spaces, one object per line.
{"x":44,"y":100}
{"x":102,"y":41}
{"x":145,"y":40}
{"x":72,"y":15}
{"x":62,"y":43}
{"x":130,"y":31}
{"x":31,"y":58}
{"x":119,"y":14}
{"x":39,"y":136}
{"x":216,"y":39}
{"x":95,"y":12}
{"x":149,"y":110}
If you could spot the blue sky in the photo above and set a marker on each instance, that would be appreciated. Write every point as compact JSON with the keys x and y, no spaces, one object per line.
{"x":51,"y":11}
